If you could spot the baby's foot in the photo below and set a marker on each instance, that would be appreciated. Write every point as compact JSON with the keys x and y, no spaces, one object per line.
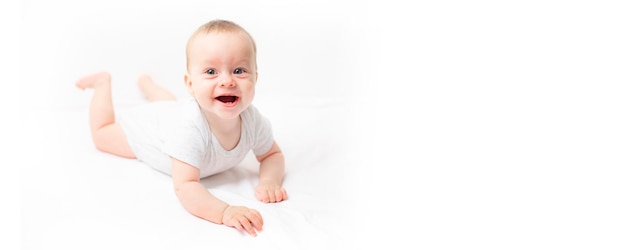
{"x":152,"y":91}
{"x":94,"y":80}
{"x":145,"y":82}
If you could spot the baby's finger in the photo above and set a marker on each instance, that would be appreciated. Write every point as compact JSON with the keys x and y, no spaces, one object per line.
{"x":284,"y":193}
{"x":260,"y":218}
{"x":237,"y":225}
{"x":278,"y":193}
{"x":262,"y":196}
{"x":257,"y":220}
{"x":246,"y":225}
{"x":272,"y":195}
{"x":266,"y":198}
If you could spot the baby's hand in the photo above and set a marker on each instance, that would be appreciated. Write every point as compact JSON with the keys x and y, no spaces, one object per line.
{"x":268,"y":192}
{"x":243,"y":218}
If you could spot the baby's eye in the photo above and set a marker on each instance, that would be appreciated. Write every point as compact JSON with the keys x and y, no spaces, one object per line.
{"x":211,"y":71}
{"x":239,"y":71}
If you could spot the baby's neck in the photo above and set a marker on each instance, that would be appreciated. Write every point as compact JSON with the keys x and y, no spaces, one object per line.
{"x":227,"y":132}
{"x":222,"y":126}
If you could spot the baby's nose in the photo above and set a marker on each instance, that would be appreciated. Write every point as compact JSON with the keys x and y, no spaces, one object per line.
{"x":227,"y":82}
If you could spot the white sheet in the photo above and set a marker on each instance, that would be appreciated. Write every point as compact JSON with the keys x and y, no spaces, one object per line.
{"x":81,"y":197}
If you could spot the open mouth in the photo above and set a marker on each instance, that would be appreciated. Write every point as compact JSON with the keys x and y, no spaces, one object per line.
{"x":228,"y":99}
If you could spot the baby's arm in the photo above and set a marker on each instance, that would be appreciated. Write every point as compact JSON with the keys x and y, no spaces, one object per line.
{"x":271,"y":174}
{"x":196,"y":199}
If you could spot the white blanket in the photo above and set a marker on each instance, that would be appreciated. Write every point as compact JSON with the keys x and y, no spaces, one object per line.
{"x":80,"y":197}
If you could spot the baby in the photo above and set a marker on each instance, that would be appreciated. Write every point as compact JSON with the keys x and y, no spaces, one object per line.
{"x":195,"y":137}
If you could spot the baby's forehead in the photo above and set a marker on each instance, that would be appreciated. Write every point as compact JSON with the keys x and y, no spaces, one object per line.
{"x":208,"y":46}
{"x":219,"y":33}
{"x":204,"y":44}
{"x":224,"y":35}
{"x":222,"y":40}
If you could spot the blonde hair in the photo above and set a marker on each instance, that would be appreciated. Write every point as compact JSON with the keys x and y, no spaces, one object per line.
{"x":219,"y":25}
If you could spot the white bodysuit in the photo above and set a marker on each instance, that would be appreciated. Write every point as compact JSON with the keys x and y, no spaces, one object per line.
{"x":159,"y":130}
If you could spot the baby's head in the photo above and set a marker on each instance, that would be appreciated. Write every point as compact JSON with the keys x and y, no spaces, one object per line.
{"x":219,"y":26}
{"x":221,"y":69}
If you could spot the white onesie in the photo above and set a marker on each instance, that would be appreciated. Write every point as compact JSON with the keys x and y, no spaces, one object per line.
{"x":159,"y":130}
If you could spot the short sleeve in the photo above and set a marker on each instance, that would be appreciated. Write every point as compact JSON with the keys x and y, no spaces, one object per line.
{"x":261,"y":131}
{"x":187,"y":142}
{"x":186,"y":145}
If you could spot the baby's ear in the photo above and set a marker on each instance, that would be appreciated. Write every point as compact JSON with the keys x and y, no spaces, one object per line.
{"x":187,"y":80}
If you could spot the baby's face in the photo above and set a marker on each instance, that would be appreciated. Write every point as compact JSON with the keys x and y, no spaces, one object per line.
{"x":221,"y":73}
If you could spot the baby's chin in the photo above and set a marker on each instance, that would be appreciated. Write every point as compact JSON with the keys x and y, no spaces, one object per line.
{"x":227,"y":113}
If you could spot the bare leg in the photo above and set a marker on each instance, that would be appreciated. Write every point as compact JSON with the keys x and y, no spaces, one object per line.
{"x":153,"y":91}
{"x":106,"y":134}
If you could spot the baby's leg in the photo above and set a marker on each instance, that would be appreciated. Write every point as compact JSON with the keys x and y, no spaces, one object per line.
{"x":153,"y":91}
{"x":106,"y":134}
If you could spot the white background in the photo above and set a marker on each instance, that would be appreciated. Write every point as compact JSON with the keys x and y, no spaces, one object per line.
{"x":489,"y":125}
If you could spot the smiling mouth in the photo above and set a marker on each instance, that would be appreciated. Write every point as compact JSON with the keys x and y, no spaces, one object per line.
{"x":227,"y":99}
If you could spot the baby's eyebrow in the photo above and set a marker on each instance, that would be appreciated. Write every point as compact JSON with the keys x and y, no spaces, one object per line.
{"x":244,"y":62}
